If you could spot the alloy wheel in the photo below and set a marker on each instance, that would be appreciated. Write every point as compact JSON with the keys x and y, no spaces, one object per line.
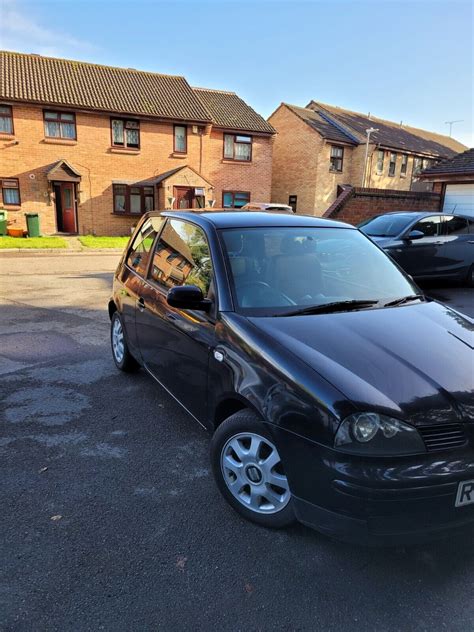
{"x":253,"y":472}
{"x":118,"y":345}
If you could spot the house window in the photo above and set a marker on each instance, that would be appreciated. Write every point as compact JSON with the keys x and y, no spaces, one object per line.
{"x":380,"y":157}
{"x":417,"y":166}
{"x":180,"y":139}
{"x":6,"y":119}
{"x":392,"y":165}
{"x":11,"y":192}
{"x":132,"y":200}
{"x":404,"y":166}
{"x":125,"y":133}
{"x":237,"y":147}
{"x":60,"y":125}
{"x":336,"y":159}
{"x":292,"y":201}
{"x":427,"y":163}
{"x":235,"y":199}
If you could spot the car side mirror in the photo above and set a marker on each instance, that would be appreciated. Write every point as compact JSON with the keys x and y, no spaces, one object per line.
{"x":188,"y":297}
{"x":413,"y":235}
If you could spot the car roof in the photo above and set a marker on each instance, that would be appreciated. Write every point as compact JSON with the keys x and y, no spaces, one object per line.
{"x":418,"y":214}
{"x":251,"y":219}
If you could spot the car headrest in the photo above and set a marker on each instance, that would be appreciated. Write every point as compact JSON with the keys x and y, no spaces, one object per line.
{"x":238,"y":266}
{"x":233,"y":241}
{"x":289,"y":246}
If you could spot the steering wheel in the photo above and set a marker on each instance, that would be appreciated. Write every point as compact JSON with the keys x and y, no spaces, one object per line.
{"x":278,"y":297}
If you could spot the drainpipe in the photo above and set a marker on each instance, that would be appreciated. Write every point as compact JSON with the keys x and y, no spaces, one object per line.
{"x":368,"y":131}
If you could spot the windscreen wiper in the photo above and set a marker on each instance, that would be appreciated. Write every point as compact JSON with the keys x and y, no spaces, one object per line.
{"x":405,"y":299}
{"x":336,"y":306}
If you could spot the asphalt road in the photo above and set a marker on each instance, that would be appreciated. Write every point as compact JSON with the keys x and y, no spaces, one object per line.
{"x":110,"y":519}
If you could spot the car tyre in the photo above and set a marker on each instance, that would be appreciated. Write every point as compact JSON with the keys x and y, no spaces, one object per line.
{"x":249,"y":472}
{"x":120,"y":353}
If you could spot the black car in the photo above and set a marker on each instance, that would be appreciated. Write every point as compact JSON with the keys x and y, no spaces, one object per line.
{"x":427,"y":245}
{"x":336,"y":393}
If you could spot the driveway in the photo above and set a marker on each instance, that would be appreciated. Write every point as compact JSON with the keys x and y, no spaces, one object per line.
{"x":110,"y":519}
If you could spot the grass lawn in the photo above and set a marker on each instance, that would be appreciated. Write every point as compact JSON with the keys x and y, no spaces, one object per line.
{"x":89,"y":241}
{"x":32,"y":242}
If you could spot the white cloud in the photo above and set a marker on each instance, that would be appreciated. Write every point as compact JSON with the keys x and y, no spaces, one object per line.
{"x":19,"y":32}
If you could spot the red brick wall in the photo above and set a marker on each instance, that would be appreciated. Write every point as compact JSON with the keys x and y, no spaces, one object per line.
{"x":28,"y":155}
{"x":359,"y":204}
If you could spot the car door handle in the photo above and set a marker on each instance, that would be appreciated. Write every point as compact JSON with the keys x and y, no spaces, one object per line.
{"x":141,"y":304}
{"x":171,"y":316}
{"x":470,"y":241}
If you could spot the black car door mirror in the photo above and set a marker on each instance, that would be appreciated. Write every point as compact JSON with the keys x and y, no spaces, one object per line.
{"x":413,"y":235}
{"x":188,"y":297}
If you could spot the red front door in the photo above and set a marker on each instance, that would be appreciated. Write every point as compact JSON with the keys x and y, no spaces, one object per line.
{"x":68,"y":207}
{"x":184,"y":197}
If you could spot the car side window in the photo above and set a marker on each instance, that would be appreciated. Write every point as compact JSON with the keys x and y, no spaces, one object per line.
{"x":139,"y":253}
{"x":430,"y":226}
{"x":182,"y":257}
{"x":456,"y":225}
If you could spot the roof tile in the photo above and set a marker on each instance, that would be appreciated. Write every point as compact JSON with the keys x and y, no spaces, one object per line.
{"x":229,"y":111}
{"x":48,"y":80}
{"x":390,"y":134}
{"x":462,"y":164}
{"x":322,"y":125}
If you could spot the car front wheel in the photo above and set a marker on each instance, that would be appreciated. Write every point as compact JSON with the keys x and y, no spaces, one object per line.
{"x":249,"y":472}
{"x":122,"y":356}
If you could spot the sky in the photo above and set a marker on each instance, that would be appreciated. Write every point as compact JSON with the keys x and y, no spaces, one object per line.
{"x":409,"y":60}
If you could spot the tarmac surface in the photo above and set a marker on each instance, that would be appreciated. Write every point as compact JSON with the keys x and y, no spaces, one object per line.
{"x":110,"y":519}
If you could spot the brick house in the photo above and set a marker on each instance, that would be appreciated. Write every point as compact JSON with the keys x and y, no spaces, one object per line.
{"x":320,"y":148}
{"x":92,"y":147}
{"x":454,"y":180}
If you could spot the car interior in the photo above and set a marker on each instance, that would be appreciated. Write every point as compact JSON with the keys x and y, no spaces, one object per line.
{"x":281,"y":267}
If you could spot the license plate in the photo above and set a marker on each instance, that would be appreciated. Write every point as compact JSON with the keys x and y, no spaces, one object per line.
{"x":465,"y":494}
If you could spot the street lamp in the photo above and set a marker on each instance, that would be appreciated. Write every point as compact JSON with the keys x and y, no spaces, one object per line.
{"x":369,"y":131}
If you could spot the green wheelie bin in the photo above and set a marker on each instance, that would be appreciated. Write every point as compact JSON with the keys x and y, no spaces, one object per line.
{"x":33,"y":224}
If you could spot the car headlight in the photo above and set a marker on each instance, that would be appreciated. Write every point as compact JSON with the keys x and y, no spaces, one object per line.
{"x":377,"y":435}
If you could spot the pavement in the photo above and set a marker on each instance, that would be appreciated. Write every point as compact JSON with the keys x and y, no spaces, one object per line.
{"x":110,"y":519}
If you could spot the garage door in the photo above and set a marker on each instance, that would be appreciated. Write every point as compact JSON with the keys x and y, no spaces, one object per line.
{"x":459,"y":198}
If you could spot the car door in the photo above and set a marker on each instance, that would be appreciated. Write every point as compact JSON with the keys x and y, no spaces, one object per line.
{"x":422,"y":257}
{"x":175,"y":343}
{"x":458,"y":245}
{"x":132,"y":272}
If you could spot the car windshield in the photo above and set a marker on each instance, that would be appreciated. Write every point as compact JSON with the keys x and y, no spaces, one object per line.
{"x":386,"y":225}
{"x":277,"y":270}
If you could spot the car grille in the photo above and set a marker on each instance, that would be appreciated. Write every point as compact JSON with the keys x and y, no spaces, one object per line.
{"x":443,"y":437}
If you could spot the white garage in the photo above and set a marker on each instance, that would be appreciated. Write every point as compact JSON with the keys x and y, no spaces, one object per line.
{"x":459,"y":198}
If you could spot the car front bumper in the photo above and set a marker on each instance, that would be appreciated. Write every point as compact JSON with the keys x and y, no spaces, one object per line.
{"x":375,"y":501}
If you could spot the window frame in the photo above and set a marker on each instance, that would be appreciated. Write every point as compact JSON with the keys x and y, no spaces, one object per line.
{"x":416,"y":170}
{"x":124,"y":145}
{"x":404,"y":163}
{"x":127,"y":195}
{"x":144,"y":276}
{"x":17,"y":188}
{"x":332,"y":169}
{"x":234,"y":142}
{"x":58,"y":120}
{"x":447,"y":219}
{"x":380,"y":170}
{"x":233,"y":193}
{"x":179,"y":151}
{"x":427,"y":219}
{"x":163,"y":288}
{"x":394,"y":163}
{"x":8,"y":116}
